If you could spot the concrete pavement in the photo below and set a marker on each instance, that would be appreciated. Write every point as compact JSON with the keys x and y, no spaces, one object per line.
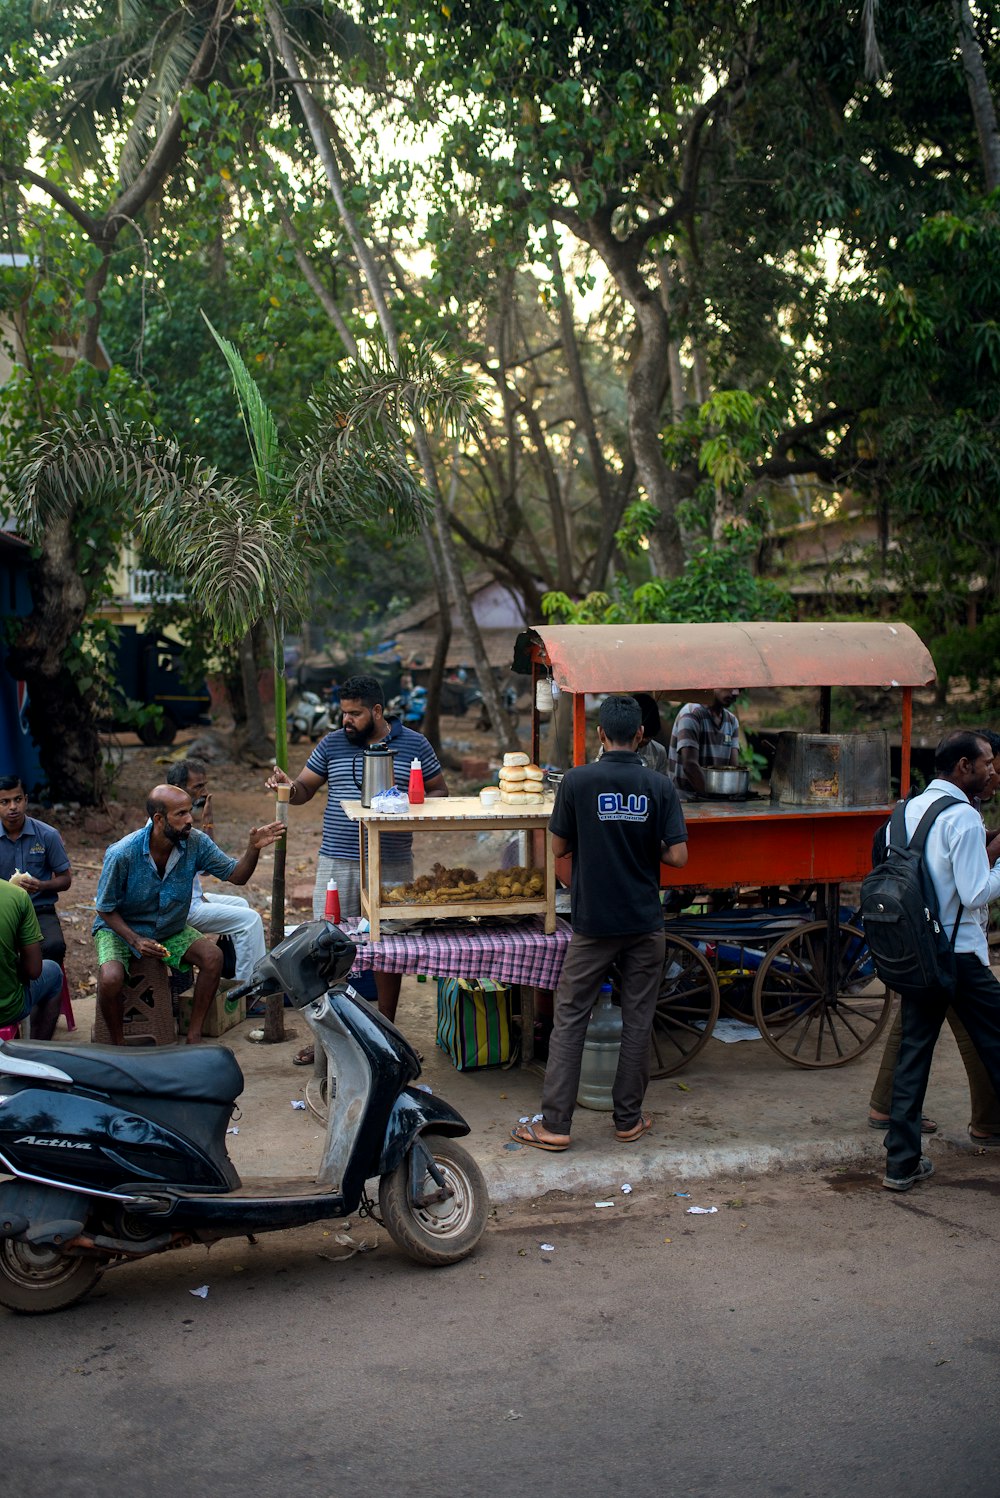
{"x":735,"y":1111}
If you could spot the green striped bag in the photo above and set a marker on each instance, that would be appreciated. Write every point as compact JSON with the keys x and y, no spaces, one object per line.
{"x":473,"y":1025}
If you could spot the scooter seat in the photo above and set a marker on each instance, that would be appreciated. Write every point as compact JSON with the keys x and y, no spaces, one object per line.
{"x":202,"y":1073}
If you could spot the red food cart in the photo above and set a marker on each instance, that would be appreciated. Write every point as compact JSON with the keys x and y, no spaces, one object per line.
{"x":786,"y":953}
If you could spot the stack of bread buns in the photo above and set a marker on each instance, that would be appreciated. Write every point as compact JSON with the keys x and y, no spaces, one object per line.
{"x":520,"y":781}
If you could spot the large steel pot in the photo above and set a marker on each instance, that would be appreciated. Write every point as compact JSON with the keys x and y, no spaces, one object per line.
{"x":726,"y":780}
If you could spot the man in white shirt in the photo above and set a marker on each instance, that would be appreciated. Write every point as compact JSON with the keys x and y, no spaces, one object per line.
{"x":965,"y":872}
{"x":215,"y":913}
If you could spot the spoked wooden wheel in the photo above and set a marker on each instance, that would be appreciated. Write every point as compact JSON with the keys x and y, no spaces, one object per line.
{"x":686,"y":1010}
{"x":816,"y":1000}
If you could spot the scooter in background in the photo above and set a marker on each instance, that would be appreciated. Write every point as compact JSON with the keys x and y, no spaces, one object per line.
{"x":118,"y":1154}
{"x":409,"y":706}
{"x":309,"y":718}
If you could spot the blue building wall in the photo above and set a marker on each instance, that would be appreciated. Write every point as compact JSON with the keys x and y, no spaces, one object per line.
{"x":18,"y":755}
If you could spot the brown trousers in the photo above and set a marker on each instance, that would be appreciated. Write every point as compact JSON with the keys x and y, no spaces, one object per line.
{"x":985,"y":1103}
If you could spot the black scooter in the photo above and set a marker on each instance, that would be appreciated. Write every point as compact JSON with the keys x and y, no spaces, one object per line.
{"x":116,"y":1154}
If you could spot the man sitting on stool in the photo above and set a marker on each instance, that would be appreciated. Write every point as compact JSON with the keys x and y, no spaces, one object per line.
{"x":144,"y":896}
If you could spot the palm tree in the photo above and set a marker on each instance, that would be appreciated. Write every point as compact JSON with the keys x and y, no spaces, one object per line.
{"x":246,"y":549}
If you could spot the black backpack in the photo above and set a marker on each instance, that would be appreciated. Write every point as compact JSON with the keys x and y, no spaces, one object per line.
{"x":899,"y":910}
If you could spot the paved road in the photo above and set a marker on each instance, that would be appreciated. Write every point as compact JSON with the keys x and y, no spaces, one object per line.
{"x":813,"y":1337}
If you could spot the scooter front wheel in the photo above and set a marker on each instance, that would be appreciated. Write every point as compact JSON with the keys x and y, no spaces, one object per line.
{"x":35,"y":1279}
{"x":436,"y":1232}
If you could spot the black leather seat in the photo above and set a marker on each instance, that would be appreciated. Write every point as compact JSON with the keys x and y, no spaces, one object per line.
{"x":202,"y":1073}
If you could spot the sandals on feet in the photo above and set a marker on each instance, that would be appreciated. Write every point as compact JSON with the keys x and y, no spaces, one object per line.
{"x":525,"y":1134}
{"x":629,"y":1136}
{"x":927,"y":1125}
{"x":305,"y":1057}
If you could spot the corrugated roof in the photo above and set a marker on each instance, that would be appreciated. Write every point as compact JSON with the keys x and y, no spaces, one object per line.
{"x":415,"y":648}
{"x":698,"y":657}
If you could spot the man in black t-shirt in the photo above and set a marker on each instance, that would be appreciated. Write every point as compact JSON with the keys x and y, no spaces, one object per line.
{"x":620,"y":821}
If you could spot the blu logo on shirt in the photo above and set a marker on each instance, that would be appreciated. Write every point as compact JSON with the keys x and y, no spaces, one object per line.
{"x":612,"y":806}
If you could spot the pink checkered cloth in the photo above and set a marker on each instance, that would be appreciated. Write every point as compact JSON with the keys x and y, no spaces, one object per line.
{"x":515,"y":953}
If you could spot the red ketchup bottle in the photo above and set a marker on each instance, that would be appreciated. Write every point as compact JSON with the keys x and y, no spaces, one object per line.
{"x":332,"y":908}
{"x":415,"y":790}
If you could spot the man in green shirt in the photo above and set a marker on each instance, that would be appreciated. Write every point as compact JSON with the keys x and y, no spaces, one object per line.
{"x":28,"y":985}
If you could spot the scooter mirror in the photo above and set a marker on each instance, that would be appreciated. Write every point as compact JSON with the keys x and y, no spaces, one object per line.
{"x":310,"y":961}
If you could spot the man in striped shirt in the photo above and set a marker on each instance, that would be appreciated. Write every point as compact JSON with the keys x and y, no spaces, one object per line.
{"x":703,"y":735}
{"x":337,"y":760}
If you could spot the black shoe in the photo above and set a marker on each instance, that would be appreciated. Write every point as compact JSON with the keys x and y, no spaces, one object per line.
{"x":903,"y":1183}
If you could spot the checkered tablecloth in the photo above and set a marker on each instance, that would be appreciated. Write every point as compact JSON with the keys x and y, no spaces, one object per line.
{"x":516,"y":953}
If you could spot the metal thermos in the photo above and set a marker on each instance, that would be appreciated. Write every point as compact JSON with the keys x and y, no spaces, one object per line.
{"x":377,"y":772}
{"x":600,"y":1053}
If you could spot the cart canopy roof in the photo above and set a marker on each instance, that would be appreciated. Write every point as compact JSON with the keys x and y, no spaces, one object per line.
{"x":698,"y":657}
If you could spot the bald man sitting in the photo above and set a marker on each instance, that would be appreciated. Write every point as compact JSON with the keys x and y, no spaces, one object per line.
{"x":144,"y":896}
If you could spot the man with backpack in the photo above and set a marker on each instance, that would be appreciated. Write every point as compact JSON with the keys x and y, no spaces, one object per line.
{"x":962,"y":876}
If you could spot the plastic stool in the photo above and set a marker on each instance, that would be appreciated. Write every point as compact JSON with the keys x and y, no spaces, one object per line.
{"x":65,"y":1004}
{"x":149,"y":1010}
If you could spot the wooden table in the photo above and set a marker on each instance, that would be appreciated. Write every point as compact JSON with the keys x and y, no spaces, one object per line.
{"x":452,"y":814}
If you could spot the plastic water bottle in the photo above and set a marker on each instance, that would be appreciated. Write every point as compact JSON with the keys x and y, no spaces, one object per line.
{"x":415,"y":789}
{"x":601,"y":1050}
{"x":332,"y":908}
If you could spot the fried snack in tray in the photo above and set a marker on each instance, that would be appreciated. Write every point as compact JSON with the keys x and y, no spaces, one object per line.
{"x":449,"y":886}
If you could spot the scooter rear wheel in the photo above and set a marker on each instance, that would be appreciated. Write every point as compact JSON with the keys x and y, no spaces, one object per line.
{"x":36,"y":1279}
{"x":440,"y":1232}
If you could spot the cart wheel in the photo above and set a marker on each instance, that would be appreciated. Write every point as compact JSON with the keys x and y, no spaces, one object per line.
{"x":686,"y":1009}
{"x":816,"y":1006}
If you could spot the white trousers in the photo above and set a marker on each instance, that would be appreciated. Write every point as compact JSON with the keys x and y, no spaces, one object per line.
{"x":231,"y":915}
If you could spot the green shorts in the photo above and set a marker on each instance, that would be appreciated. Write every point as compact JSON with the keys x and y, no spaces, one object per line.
{"x":113,"y":948}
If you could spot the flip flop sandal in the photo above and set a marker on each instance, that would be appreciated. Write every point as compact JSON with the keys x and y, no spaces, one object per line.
{"x":305,"y":1057}
{"x":985,"y":1141}
{"x":927,"y":1125}
{"x":629,"y":1136}
{"x":525,"y":1134}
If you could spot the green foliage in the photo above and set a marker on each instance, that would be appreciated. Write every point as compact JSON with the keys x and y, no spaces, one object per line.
{"x":935,"y":435}
{"x":717,"y":584}
{"x":972,"y":653}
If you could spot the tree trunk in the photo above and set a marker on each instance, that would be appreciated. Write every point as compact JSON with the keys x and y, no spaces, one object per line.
{"x":257,"y":744}
{"x":274,"y":1004}
{"x":983,"y":108}
{"x":662,"y":484}
{"x":611,"y":514}
{"x":61,"y":717}
{"x":647,"y":384}
{"x":432,"y":710}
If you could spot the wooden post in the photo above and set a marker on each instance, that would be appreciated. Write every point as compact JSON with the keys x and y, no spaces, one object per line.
{"x":904,"y":747}
{"x":579,"y":728}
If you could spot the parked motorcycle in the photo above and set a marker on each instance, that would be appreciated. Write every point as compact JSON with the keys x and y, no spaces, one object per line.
{"x":117,"y":1154}
{"x":309,"y":717}
{"x":409,"y":706}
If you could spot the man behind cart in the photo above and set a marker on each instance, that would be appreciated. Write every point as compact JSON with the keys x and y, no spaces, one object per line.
{"x":619,"y":820}
{"x":336,"y":762}
{"x":703,"y":735}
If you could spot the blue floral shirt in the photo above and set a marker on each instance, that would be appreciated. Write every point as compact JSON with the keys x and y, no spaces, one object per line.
{"x":155,"y":907}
